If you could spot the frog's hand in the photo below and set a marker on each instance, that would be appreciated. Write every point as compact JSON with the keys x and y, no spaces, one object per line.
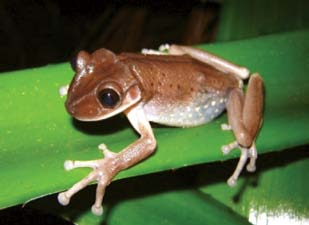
{"x":245,"y":119}
{"x":63,"y":90}
{"x":104,"y":170}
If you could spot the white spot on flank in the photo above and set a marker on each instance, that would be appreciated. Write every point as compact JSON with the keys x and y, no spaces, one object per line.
{"x":202,"y":109}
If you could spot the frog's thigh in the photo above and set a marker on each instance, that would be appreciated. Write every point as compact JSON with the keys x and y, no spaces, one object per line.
{"x":210,"y":59}
{"x":253,"y":105}
{"x":245,"y":112}
{"x":234,"y":108}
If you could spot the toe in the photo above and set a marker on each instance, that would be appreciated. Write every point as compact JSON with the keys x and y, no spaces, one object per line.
{"x":68,"y":165}
{"x":97,"y":210}
{"x":251,"y":168}
{"x":63,"y":199}
{"x":232,"y":182}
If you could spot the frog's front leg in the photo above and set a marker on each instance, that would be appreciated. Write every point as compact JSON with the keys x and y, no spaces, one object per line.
{"x":104,"y":170}
{"x":245,"y":118}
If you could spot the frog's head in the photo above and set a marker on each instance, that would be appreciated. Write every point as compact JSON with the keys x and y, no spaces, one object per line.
{"x":102,"y":87}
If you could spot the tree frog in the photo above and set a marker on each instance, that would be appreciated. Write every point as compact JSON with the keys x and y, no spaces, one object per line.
{"x":176,"y":86}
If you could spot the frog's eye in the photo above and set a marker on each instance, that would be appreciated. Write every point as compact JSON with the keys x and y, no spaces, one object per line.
{"x":108,"y":97}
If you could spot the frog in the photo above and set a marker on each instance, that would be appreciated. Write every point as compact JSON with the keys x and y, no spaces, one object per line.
{"x":178,"y":86}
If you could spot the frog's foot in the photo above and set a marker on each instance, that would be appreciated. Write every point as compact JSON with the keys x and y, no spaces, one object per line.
{"x":245,"y":154}
{"x":162,"y":50}
{"x":229,"y":147}
{"x":245,"y":118}
{"x":225,"y":126}
{"x":103,"y":172}
{"x":63,"y":90}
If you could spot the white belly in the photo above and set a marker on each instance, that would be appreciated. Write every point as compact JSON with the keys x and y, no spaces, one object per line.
{"x":203,"y":108}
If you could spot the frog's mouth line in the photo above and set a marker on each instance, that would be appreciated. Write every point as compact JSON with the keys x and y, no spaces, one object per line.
{"x":102,"y":117}
{"x":112,"y":113}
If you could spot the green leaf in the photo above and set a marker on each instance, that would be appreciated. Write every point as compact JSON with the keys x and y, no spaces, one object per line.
{"x":278,"y":192}
{"x":37,"y":135}
{"x":243,"y":19}
{"x":155,"y":199}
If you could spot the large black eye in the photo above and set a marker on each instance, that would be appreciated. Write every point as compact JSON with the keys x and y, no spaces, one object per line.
{"x":109,"y":98}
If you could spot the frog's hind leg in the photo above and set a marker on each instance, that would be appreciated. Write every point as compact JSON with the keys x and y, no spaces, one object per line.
{"x":245,"y":118}
{"x":210,"y":59}
{"x":203,"y":56}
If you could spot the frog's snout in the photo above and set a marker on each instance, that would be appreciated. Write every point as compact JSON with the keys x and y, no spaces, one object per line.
{"x":83,"y":108}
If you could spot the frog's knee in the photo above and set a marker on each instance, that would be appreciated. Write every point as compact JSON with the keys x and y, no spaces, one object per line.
{"x":244,"y":139}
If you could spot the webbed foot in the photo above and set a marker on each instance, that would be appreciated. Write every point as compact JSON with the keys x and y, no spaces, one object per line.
{"x":103,"y":172}
{"x":246,"y":153}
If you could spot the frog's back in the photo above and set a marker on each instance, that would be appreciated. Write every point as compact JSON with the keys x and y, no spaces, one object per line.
{"x":178,"y":90}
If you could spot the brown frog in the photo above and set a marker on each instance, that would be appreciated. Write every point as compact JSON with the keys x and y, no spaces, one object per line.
{"x":180,"y":86}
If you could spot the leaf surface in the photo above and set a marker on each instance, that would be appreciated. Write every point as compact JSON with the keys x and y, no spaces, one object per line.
{"x":37,"y":135}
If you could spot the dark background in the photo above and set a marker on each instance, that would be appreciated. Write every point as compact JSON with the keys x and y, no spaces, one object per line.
{"x":36,"y":32}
